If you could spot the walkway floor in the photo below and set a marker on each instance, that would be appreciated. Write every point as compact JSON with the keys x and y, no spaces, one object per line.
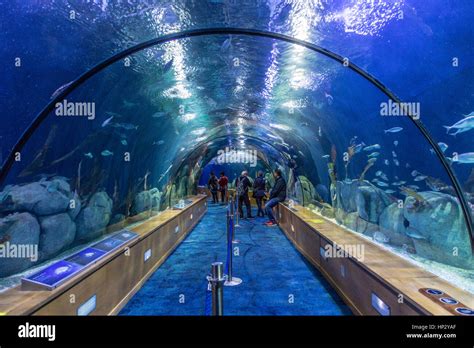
{"x":277,"y":280}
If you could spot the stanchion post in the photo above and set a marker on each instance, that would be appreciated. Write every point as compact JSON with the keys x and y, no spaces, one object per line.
{"x":217,"y":280}
{"x":237,"y":216}
{"x":231,"y":280}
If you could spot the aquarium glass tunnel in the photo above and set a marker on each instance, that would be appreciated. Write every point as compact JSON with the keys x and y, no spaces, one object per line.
{"x":114,"y":112}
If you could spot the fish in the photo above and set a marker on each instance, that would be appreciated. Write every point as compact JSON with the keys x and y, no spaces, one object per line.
{"x":466,"y":158}
{"x":325,"y":156}
{"x":389,"y":191}
{"x":436,"y":184}
{"x":372,"y":147}
{"x":320,"y":132}
{"x":461,"y":126}
{"x":60,"y":89}
{"x":394,"y":154}
{"x":378,"y":173}
{"x":382,"y":184}
{"x":412,"y":193}
{"x":420,"y":178}
{"x":373,"y":154}
{"x":107,"y":121}
{"x":412,"y":233}
{"x":396,"y":162}
{"x":384,"y":177}
{"x":372,"y":160}
{"x":414,"y":173}
{"x":124,"y":142}
{"x":393,"y":130}
{"x":399,"y":183}
{"x":127,"y":126}
{"x":106,"y":153}
{"x":386,"y":162}
{"x":159,"y":114}
{"x":443,"y":146}
{"x":395,"y":143}
{"x":414,"y":187}
{"x":226,"y":44}
{"x":128,"y":104}
{"x":358,"y":147}
{"x":89,"y":155}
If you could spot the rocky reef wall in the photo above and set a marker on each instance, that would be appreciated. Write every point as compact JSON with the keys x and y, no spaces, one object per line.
{"x":50,"y":217}
{"x":429,"y":224}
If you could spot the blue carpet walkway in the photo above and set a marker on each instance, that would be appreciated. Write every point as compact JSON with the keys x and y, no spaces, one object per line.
{"x":277,"y":280}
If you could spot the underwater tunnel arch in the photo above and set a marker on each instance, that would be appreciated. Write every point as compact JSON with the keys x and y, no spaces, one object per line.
{"x":249,"y":32}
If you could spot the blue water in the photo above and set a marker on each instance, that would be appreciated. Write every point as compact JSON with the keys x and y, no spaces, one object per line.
{"x":271,"y":269}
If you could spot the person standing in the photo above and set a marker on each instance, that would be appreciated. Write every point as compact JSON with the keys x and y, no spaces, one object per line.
{"x":223,"y":182}
{"x":259,"y":192}
{"x":277,"y":195}
{"x":242,"y":185}
{"x":212,"y":184}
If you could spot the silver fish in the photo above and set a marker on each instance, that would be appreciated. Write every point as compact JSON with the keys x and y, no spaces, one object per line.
{"x":107,"y":121}
{"x":461,"y":126}
{"x":464,"y":158}
{"x":393,"y":130}
{"x":127,"y":126}
{"x":372,"y":147}
{"x":420,"y":178}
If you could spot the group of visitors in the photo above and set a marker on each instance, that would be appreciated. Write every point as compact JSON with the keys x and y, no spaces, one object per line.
{"x":266,"y":201}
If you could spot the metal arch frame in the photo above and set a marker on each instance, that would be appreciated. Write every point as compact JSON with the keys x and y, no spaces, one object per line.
{"x":249,"y":32}
{"x":202,"y":143}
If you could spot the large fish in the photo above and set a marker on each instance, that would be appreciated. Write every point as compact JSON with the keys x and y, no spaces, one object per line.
{"x":467,"y":157}
{"x":461,"y":126}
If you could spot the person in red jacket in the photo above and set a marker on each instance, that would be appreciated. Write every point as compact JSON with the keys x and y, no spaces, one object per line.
{"x":223,"y":182}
